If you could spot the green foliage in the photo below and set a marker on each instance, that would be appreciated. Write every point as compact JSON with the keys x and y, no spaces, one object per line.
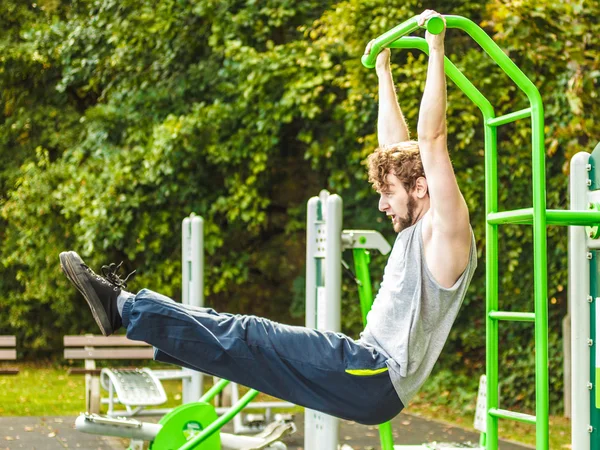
{"x":120,"y":118}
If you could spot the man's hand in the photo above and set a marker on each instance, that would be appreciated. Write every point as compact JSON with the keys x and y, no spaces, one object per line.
{"x":382,"y":65}
{"x":435,"y":41}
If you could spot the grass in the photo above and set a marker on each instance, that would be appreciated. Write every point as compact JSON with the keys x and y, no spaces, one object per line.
{"x":43,"y":391}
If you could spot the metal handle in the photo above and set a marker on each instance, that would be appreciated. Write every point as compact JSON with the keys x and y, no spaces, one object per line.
{"x":435,"y":25}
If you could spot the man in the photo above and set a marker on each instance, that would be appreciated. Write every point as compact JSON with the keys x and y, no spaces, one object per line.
{"x":369,"y":380}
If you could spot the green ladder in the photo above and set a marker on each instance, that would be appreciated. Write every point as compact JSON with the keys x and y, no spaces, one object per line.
{"x":537,"y":216}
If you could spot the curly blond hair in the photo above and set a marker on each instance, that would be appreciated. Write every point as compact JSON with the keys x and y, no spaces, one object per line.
{"x":402,"y":159}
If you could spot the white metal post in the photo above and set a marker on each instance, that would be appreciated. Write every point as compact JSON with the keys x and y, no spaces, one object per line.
{"x":323,"y":297}
{"x":192,"y":264}
{"x":579,"y":283}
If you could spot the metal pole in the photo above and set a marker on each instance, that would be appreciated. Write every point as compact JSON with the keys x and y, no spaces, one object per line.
{"x":192,"y":265}
{"x":323,"y":297}
{"x":579,"y":282}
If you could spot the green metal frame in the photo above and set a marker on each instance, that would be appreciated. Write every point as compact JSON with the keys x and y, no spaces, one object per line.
{"x":214,"y":427}
{"x":537,"y":216}
{"x":365,"y":293}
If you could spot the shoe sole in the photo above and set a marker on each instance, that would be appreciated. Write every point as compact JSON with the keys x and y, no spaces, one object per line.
{"x":71,"y":265}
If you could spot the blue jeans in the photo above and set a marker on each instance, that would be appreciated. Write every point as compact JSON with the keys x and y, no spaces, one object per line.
{"x":321,"y":370}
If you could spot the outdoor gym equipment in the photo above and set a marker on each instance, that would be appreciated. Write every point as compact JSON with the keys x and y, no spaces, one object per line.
{"x":193,"y":294}
{"x":584,"y":295}
{"x":536,"y":216}
{"x":190,"y":426}
{"x":325,"y":241}
{"x":323,"y":301}
{"x":195,"y":424}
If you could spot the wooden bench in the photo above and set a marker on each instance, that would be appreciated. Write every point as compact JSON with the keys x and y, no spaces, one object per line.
{"x":8,"y":352}
{"x":91,"y":348}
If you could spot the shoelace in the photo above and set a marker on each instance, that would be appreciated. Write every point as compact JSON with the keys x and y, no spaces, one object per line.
{"x":110,"y":273}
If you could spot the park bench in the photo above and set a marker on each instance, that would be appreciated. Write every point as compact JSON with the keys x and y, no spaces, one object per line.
{"x":134,"y":388}
{"x":8,"y":352}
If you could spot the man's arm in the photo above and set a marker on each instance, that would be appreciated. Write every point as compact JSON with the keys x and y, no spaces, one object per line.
{"x":447,"y":203}
{"x":391,"y":126}
{"x":450,"y":231}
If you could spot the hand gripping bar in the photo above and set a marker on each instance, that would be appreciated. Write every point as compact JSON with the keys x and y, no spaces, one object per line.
{"x":435,"y":25}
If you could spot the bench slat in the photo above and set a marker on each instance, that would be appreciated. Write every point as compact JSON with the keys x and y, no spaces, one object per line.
{"x":110,"y":353}
{"x":101,"y":341}
{"x":8,"y":371}
{"x":8,"y":354}
{"x":82,"y":371}
{"x":8,"y":341}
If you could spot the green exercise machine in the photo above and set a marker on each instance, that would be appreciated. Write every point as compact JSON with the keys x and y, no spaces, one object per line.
{"x":189,"y":426}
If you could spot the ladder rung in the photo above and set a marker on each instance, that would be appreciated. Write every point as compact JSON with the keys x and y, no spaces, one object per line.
{"x":514,"y":316}
{"x":521,"y":216}
{"x":496,"y":121}
{"x":553,"y":217}
{"x":505,"y":414}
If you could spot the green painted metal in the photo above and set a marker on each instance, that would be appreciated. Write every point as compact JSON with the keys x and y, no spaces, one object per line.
{"x":214,"y":391}
{"x":513,"y":316}
{"x":185,"y":421}
{"x":386,"y":437}
{"x":512,"y":415}
{"x":593,"y":231}
{"x":594,"y":172}
{"x":553,"y":217}
{"x":508,"y":118}
{"x":433,"y":25}
{"x":215,"y":426}
{"x":362,"y":259}
{"x":365,"y":293}
{"x":452,"y":71}
{"x":537,"y":217}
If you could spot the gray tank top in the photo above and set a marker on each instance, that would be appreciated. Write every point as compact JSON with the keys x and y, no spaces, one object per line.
{"x":412,"y":314}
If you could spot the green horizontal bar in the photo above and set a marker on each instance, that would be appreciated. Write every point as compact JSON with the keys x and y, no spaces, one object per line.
{"x":518,"y":216}
{"x":508,"y":118}
{"x":553,"y":217}
{"x":584,"y":218}
{"x":396,"y":33}
{"x":514,"y":316}
{"x":519,"y":417}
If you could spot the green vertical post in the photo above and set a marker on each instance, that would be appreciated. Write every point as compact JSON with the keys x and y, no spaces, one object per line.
{"x":362,"y":259}
{"x":491,"y":277}
{"x":365,"y":293}
{"x":540,"y":268}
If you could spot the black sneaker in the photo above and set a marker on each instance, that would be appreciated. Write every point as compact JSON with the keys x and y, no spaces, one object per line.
{"x":100,"y":292}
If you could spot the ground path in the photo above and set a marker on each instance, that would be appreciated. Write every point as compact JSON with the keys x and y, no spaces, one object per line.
{"x":58,"y":433}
